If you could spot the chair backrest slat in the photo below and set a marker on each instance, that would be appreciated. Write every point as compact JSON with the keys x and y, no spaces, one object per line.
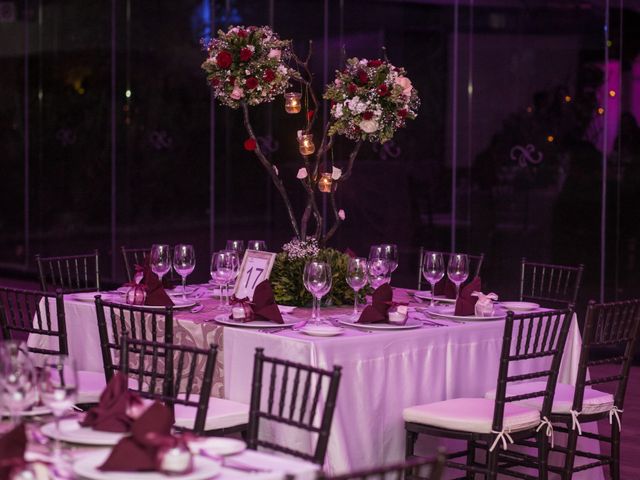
{"x":21,"y":312}
{"x":322,"y":400}
{"x":529,"y":352}
{"x":556,"y":285}
{"x":71,"y":273}
{"x":478,"y":260}
{"x":614,"y":326}
{"x":132,"y":257}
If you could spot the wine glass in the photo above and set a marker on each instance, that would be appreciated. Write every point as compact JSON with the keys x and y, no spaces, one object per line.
{"x":58,"y":388}
{"x":357,"y":278}
{"x":17,"y":378}
{"x":379,"y":272}
{"x":433,"y":270}
{"x":375,"y":252}
{"x":458,"y":270}
{"x":224,"y":268}
{"x":184,"y":261}
{"x":160,"y":260}
{"x":237,"y":246}
{"x":317,"y":280}
{"x":259,"y":245}
{"x":390,"y":253}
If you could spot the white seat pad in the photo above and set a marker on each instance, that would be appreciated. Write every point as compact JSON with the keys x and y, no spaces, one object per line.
{"x":471,"y":415}
{"x":90,"y":386}
{"x":594,"y":401}
{"x":222,"y":413}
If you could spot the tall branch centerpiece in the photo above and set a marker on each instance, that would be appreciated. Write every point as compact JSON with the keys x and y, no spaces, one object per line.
{"x":370,"y":101}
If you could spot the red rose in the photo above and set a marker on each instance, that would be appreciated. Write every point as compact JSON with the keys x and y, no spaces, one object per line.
{"x":383,"y":90}
{"x":242,"y":33}
{"x":352,"y":89}
{"x":214,"y":82}
{"x":250,"y":144}
{"x":252,"y":82}
{"x":363,"y":78}
{"x":245,"y":54}
{"x":231,"y":79}
{"x":367,"y":115}
{"x":224,"y":59}
{"x":402,"y":113}
{"x":374,"y":63}
{"x":269,"y":75}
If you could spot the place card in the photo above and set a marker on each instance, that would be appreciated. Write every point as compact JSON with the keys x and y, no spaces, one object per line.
{"x":256,"y":267}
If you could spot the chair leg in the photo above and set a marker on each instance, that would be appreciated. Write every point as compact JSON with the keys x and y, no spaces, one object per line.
{"x":492,"y":464}
{"x":471,"y":458}
{"x":411,"y":438}
{"x":543,"y":455}
{"x":570,"y":456}
{"x":614,"y":467}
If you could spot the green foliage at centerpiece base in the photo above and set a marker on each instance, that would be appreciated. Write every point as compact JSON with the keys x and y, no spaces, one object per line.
{"x":288,"y":286}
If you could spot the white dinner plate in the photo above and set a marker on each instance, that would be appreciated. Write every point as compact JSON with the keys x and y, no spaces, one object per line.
{"x":468,"y":318}
{"x":411,"y":323}
{"x":519,"y":306}
{"x":178,"y":304}
{"x":32,"y":412}
{"x":87,"y":466}
{"x":323,"y":330}
{"x":224,"y":319}
{"x":71,"y":431}
{"x":218,"y":445}
{"x":177,"y":291}
{"x":426,"y":295}
{"x":91,"y":296}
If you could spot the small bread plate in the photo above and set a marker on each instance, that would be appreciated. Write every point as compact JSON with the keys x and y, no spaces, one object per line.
{"x":91,"y":296}
{"x":519,"y":306}
{"x":72,"y":432}
{"x":224,"y":319}
{"x":426,"y":295}
{"x":177,"y":291}
{"x":469,"y":318}
{"x":34,"y":411}
{"x":218,"y":445}
{"x":411,"y":323}
{"x":88,"y":466}
{"x":178,"y":304}
{"x":322,"y":330}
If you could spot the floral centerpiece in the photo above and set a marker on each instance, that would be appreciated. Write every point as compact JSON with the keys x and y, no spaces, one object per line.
{"x":371,"y":100}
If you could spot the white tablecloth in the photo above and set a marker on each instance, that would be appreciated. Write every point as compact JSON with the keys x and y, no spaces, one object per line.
{"x":383,"y":372}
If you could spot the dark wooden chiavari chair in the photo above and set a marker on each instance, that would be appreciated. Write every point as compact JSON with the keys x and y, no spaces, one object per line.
{"x":296,"y":402}
{"x":417,"y":468}
{"x":556,"y":285}
{"x":30,"y":312}
{"x":167,"y":373}
{"x":132,"y":257}
{"x":134,"y":322}
{"x":475,"y":264}
{"x":72,"y":273}
{"x":529,"y":339}
{"x":614,"y":326}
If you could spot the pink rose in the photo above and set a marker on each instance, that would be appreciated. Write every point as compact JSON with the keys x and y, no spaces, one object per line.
{"x":237,"y":93}
{"x":275,"y":53}
{"x":405,"y":83}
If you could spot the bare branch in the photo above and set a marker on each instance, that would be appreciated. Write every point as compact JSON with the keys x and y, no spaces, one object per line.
{"x":352,"y":157}
{"x":337,"y":221}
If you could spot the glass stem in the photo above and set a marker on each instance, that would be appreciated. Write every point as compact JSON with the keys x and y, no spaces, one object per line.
{"x":457,"y":291}
{"x":355,"y":302}
{"x":318,"y":309}
{"x":184,"y":288}
{"x":313,"y":309}
{"x":433,"y":294}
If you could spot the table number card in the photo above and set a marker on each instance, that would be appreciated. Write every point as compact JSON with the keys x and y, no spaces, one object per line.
{"x":256,"y":267}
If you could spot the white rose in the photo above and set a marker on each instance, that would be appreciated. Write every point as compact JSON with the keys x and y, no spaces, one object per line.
{"x":337,"y":112}
{"x":341,"y":214}
{"x":368,"y":126}
{"x":353,"y":104}
{"x":302,"y":174}
{"x":275,"y":53}
{"x":237,"y":93}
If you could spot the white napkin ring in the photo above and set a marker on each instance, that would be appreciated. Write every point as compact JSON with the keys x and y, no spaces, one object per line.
{"x":501,"y":436}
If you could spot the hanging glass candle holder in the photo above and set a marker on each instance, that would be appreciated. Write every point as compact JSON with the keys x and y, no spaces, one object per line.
{"x":292,"y":102}
{"x":305,"y":142}
{"x":324,"y":183}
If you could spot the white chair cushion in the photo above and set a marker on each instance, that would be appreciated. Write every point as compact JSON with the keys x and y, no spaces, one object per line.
{"x":222,"y":413}
{"x":471,"y":415}
{"x":594,"y":401}
{"x":90,"y":386}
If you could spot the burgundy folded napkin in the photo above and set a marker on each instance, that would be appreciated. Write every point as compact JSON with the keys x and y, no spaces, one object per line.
{"x":263,"y":306}
{"x":139,"y":452}
{"x":465,"y":305}
{"x":444,"y":287}
{"x":381,"y":301}
{"x":12,"y":447}
{"x":115,"y":408}
{"x":156,"y":295}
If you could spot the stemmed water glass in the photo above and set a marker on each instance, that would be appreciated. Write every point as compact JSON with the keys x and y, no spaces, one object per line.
{"x":378,"y":272}
{"x":160,"y":260}
{"x":58,"y":388}
{"x":390,"y":253}
{"x":259,"y":245}
{"x":357,"y":278}
{"x":237,"y":246}
{"x":433,"y":270}
{"x":317,"y":280}
{"x":184,"y":261}
{"x":17,"y":379}
{"x":224,"y":269}
{"x":458,"y":270}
